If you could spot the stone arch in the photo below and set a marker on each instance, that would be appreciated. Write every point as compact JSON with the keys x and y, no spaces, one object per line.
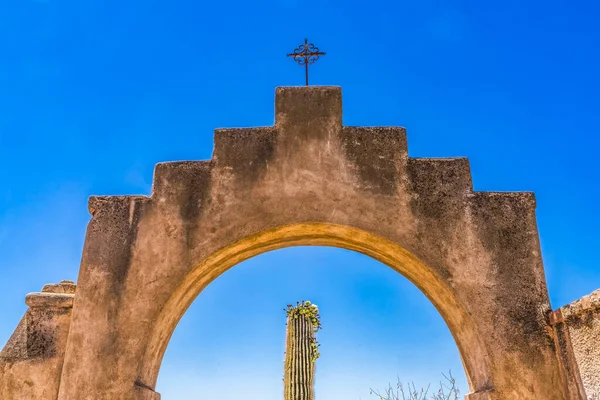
{"x":310,"y":180}
{"x":464,"y":331}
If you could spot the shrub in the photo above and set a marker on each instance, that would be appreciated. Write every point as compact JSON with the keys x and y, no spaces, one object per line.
{"x":446,"y":391}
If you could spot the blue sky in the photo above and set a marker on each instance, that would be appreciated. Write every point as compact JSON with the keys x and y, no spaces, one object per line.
{"x":94,"y":93}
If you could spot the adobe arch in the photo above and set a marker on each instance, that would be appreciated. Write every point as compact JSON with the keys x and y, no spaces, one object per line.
{"x":310,"y":180}
{"x":318,"y":234}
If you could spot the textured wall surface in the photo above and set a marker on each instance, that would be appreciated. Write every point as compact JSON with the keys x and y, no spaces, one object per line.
{"x":578,"y":325}
{"x":308,"y":180}
{"x":31,"y":362}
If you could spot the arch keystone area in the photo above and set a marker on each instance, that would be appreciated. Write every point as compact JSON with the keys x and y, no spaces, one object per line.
{"x":309,"y":180}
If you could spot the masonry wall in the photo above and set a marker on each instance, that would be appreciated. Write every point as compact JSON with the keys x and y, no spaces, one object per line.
{"x":307,"y":180}
{"x":577,"y":327}
{"x":32,"y":359}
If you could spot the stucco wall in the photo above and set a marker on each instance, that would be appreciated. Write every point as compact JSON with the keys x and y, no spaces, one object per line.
{"x":31,"y":361}
{"x":578,"y":326}
{"x":307,"y":180}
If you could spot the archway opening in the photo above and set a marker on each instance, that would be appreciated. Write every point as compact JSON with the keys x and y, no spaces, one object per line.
{"x":429,"y":280}
{"x":377,"y":326}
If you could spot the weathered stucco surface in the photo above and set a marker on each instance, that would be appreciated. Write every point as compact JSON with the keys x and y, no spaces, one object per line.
{"x":578,"y":324}
{"x":31,"y":362}
{"x":307,"y":180}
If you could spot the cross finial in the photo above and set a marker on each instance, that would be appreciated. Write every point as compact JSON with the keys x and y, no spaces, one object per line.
{"x":306,"y":54}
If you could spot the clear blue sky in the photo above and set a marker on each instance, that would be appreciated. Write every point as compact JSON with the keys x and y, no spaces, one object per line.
{"x":94,"y":93}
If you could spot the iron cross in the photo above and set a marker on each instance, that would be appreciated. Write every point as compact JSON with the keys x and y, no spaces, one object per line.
{"x":306,"y":54}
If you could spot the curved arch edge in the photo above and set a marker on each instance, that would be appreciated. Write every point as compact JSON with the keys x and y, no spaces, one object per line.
{"x":464,"y":331}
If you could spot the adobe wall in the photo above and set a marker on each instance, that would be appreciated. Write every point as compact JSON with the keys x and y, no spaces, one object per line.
{"x":578,"y":330}
{"x":31,"y":361}
{"x":307,"y":180}
{"x":311,"y":180}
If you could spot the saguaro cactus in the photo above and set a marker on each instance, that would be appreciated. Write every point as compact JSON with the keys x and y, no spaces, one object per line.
{"x":302,"y":351}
